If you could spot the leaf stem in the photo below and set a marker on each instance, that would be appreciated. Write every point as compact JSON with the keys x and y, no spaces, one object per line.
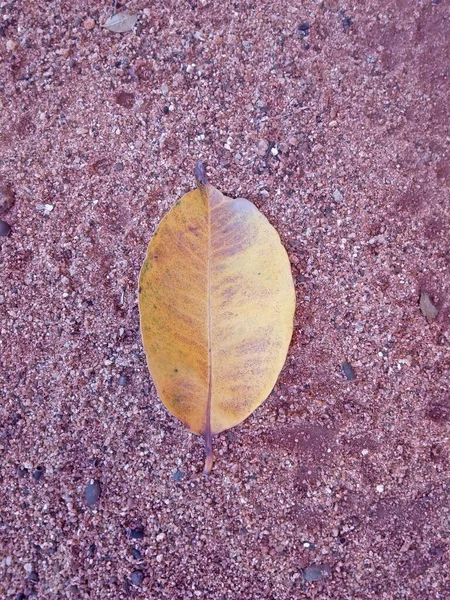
{"x":200,"y":174}
{"x":209,"y":452}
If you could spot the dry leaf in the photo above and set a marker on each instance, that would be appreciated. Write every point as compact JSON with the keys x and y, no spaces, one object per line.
{"x":427,"y":308}
{"x":216,"y":301}
{"x":121,"y":22}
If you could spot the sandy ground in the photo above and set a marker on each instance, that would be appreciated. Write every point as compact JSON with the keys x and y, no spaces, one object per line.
{"x":332,"y":117}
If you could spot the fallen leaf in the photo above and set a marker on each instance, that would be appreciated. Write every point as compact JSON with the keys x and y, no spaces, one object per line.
{"x":121,"y":22}
{"x":427,"y":308}
{"x":216,"y":302}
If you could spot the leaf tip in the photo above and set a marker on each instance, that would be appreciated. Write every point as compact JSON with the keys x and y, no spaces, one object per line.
{"x":200,"y":174}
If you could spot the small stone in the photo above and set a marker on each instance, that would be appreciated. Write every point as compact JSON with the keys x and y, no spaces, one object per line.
{"x":380,"y":488}
{"x":137,"y":577}
{"x":28,"y":567}
{"x":118,"y":167}
{"x":427,"y":308}
{"x":164,"y":89}
{"x":136,"y":554}
{"x":333,"y":124}
{"x":166,"y":110}
{"x":7,"y":198}
{"x":160,"y":537}
{"x":92,"y":549}
{"x":178,"y":475}
{"x":316,"y":572}
{"x":11,"y":45}
{"x":33,"y":576}
{"x":123,"y":380}
{"x":338,"y":196}
{"x":93,"y":492}
{"x":38,"y":472}
{"x":159,"y":558}
{"x":5,"y":229}
{"x":303,"y":28}
{"x":89,"y":24}
{"x":8,"y":561}
{"x":348,"y":371}
{"x":137,"y":533}
{"x":261,"y":147}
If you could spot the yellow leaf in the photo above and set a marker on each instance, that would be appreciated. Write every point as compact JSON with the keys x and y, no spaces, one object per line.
{"x":216,"y":301}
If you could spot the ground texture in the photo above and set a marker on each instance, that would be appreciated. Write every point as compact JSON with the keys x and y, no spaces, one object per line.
{"x":332,"y":118}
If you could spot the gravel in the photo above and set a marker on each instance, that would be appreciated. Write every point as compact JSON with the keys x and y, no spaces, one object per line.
{"x":348,"y":370}
{"x":137,"y":577}
{"x":5,"y":228}
{"x":93,"y":492}
{"x":323,"y":458}
{"x":137,"y":533}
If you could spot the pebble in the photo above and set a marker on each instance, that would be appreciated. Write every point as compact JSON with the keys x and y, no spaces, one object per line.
{"x":118,"y":167}
{"x":338,"y":196}
{"x":89,"y":24}
{"x":261,"y":147}
{"x":123,"y":380}
{"x":93,"y":492}
{"x":136,"y":554}
{"x":160,"y":537}
{"x":166,"y":110}
{"x":178,"y":475}
{"x":137,"y":533}
{"x":38,"y":472}
{"x":316,"y":572}
{"x":7,"y":198}
{"x":348,"y":371}
{"x":5,"y":229}
{"x":33,"y":576}
{"x":137,"y":577}
{"x":427,"y":307}
{"x":304,"y":28}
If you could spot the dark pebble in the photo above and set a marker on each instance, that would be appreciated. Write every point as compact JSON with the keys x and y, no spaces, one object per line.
{"x":93,"y":491}
{"x":123,"y":380}
{"x":118,"y":167}
{"x":7,"y":197}
{"x":178,"y":475}
{"x":137,"y":533}
{"x":33,"y":576}
{"x":137,"y":577}
{"x":126,"y":586}
{"x":304,"y":28}
{"x":166,"y":110}
{"x":348,"y":371}
{"x":316,"y":572}
{"x":136,"y":554}
{"x":92,"y":549}
{"x":37,"y":473}
{"x":5,"y":229}
{"x":20,"y":596}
